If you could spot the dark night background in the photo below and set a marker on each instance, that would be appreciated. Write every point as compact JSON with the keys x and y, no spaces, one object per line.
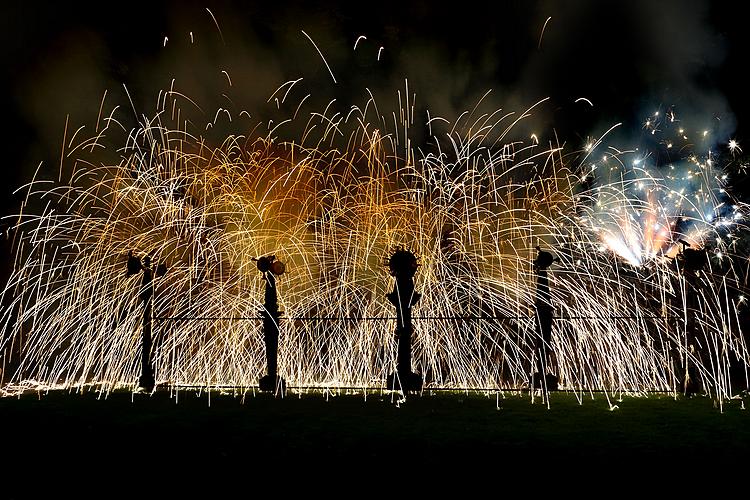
{"x":628,"y":57}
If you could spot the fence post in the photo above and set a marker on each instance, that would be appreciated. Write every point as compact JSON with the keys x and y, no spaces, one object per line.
{"x":691,"y":261}
{"x":134,"y":266}
{"x":270,"y":267}
{"x":544,"y":313}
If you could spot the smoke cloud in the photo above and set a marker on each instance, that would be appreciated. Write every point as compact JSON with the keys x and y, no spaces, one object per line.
{"x":628,"y":58}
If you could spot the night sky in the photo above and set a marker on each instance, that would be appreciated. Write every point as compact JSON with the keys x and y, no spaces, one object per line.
{"x":629,"y":58}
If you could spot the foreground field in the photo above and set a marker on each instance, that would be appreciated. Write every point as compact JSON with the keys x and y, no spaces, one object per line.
{"x":151,"y":433}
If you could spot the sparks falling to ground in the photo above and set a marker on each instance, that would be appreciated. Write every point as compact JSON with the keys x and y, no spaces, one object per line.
{"x":631,"y":314}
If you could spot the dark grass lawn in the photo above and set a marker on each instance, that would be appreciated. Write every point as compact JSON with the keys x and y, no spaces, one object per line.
{"x":436,"y":432}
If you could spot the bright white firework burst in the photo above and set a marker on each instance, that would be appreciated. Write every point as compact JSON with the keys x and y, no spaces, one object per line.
{"x":473,"y":208}
{"x":669,"y":191}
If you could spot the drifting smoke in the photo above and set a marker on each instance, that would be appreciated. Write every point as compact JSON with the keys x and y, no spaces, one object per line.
{"x":622,"y":56}
{"x":669,"y":189}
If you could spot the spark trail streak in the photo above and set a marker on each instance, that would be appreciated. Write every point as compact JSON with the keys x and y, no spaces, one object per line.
{"x":472,"y":209}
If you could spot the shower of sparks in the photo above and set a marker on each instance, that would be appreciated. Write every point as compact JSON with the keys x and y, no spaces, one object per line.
{"x":669,"y":190}
{"x":473,"y":210}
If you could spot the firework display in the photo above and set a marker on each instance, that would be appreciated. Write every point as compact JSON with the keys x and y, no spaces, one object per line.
{"x":641,"y":291}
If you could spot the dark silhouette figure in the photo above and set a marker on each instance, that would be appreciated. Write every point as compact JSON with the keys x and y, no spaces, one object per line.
{"x":544,"y":312}
{"x":691,"y":262}
{"x":146,"y":381}
{"x":403,"y":265}
{"x":270,"y":267}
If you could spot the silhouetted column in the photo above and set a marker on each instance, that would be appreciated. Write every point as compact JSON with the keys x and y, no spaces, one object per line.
{"x":403,"y":265}
{"x":692,"y":261}
{"x":134,"y":266}
{"x":544,"y":314}
{"x":271,"y":325}
{"x":270,"y":313}
{"x":146,"y":381}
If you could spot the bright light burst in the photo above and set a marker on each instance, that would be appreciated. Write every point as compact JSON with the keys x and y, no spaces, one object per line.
{"x":668,"y":190}
{"x":473,"y":208}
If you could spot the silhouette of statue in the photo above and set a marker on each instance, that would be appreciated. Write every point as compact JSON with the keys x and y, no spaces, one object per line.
{"x":403,"y":266}
{"x":691,"y":261}
{"x":544,"y":313}
{"x":270,"y":267}
{"x":147,"y":292}
{"x":134,"y":266}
